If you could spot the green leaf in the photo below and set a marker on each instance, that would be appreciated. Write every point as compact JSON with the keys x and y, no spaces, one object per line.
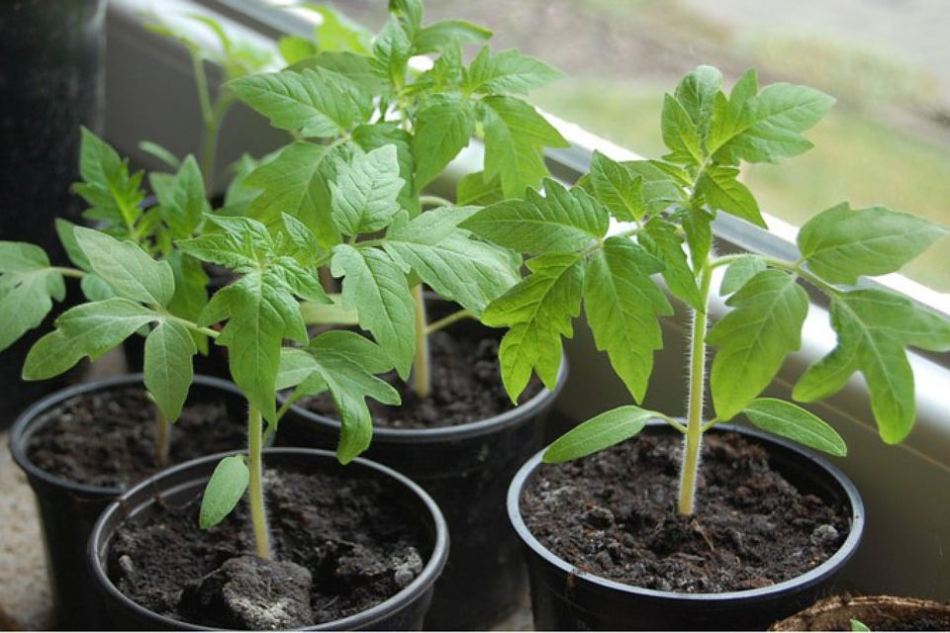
{"x":601,"y":431}
{"x":376,"y":287}
{"x":859,"y":626}
{"x":791,"y":421}
{"x":841,"y":244}
{"x":315,"y":102}
{"x":508,"y":72}
{"x":297,"y":182}
{"x":661,"y":240}
{"x":343,"y":363}
{"x":191,"y":291}
{"x":392,"y":49}
{"x":27,"y":287}
{"x":515,"y":136}
{"x":769,"y":126}
{"x":89,"y":329}
{"x":617,"y":188}
{"x":261,"y":314}
{"x":67,"y":237}
{"x":563,"y":220}
{"x":408,"y":13}
{"x":294,"y":48}
{"x":168,"y":367}
{"x":455,"y":265}
{"x":697,"y":92}
{"x":475,"y":190}
{"x":622,"y":304}
{"x":112,"y":193}
{"x":719,"y":186}
{"x":754,"y":339}
{"x":357,"y":68}
{"x":161,"y":153}
{"x":443,"y":127}
{"x":225,"y":488}
{"x":874,"y":327}
{"x":370,"y":137}
{"x":739,"y":272}
{"x":338,"y":33}
{"x":365,"y":191}
{"x":182,"y":199}
{"x":127,"y":268}
{"x":444,"y":33}
{"x":680,"y":133}
{"x":539,"y":311}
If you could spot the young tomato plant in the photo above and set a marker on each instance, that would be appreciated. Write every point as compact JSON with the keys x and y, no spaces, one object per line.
{"x":259,"y":311}
{"x":667,"y":207}
{"x":371,"y":133}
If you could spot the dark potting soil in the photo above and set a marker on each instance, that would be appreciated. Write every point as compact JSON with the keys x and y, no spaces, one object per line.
{"x":107,"y":438}
{"x":613,"y":514}
{"x":466,"y":387}
{"x":340,"y":546}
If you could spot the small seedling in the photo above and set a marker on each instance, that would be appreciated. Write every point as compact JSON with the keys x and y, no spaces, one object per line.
{"x":371,"y":132}
{"x":668,"y":207}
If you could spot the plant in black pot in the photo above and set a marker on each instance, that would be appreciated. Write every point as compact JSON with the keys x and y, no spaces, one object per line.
{"x":375,"y":543}
{"x":636,"y":534}
{"x":372,"y":132}
{"x":82,"y":446}
{"x":344,"y":549}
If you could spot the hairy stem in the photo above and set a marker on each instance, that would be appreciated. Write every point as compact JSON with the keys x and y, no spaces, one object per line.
{"x":163,"y":439}
{"x":697,"y":387}
{"x":255,"y":486}
{"x":421,"y":382}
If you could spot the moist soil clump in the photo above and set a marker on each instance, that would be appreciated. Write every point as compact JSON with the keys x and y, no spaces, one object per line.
{"x":466,"y":387}
{"x":613,"y":514}
{"x":107,"y":438}
{"x":340,"y":545}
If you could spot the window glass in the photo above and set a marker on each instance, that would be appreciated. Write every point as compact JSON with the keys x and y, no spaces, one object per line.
{"x":887,"y":141}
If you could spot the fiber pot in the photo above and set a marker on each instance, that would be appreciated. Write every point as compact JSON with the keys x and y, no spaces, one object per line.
{"x":466,"y":469}
{"x":68,"y":510}
{"x":564,"y":597}
{"x":878,"y":613}
{"x":180,"y":484}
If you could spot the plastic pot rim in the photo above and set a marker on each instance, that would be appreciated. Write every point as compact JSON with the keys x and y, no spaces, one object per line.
{"x":23,"y":428}
{"x":405,"y":596}
{"x":809,"y":578}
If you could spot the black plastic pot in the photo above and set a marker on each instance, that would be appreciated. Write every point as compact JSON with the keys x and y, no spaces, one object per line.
{"x":466,"y":469}
{"x":180,"y":484}
{"x":566,"y":598}
{"x":51,"y":79}
{"x":68,"y":510}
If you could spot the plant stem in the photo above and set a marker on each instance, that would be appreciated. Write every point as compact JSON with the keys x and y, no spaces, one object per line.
{"x":164,"y":439}
{"x":69,"y":272}
{"x":255,"y":486}
{"x":697,"y":387}
{"x":444,"y":322}
{"x":435,"y":201}
{"x":420,"y":369}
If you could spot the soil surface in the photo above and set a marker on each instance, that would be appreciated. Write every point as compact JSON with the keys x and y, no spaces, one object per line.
{"x":340,"y":545}
{"x":878,"y":613}
{"x":466,"y":387}
{"x":107,"y":438}
{"x":613,"y":514}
